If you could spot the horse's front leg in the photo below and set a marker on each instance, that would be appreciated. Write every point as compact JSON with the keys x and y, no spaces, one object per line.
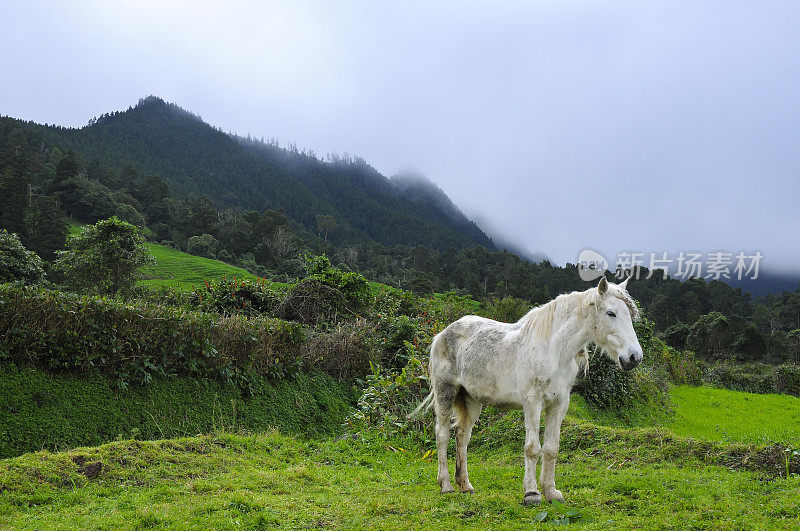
{"x":532,"y":408}
{"x":552,"y":435}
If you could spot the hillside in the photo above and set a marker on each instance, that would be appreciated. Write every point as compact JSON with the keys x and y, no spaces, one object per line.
{"x":196,"y":159}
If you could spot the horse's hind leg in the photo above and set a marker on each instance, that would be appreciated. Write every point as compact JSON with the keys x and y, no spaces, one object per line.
{"x":467,"y":410}
{"x":444,"y":398}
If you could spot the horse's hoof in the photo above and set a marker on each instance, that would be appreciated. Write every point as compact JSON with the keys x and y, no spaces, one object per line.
{"x":554,"y":494}
{"x":468,"y":491}
{"x":532,"y":498}
{"x":447,"y":490}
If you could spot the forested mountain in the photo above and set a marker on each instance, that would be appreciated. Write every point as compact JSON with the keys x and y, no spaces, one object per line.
{"x":345,"y":199}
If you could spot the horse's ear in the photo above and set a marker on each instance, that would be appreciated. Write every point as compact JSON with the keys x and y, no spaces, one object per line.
{"x":624,"y":285}
{"x":602,"y":287}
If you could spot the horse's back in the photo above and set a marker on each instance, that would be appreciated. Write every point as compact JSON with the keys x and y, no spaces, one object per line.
{"x":467,"y":329}
{"x":475,"y":349}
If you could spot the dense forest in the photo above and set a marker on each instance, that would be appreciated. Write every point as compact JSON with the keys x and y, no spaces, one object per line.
{"x":259,"y":206}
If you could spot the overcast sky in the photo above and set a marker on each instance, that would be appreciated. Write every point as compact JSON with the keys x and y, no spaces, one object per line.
{"x":648,"y":126}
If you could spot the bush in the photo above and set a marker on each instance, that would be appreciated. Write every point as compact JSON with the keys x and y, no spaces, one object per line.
{"x":17,"y":262}
{"x":239,"y":296}
{"x":507,"y":309}
{"x":347,"y":351}
{"x":104,"y":257}
{"x":131,"y":215}
{"x":395,"y":333}
{"x":204,"y":245}
{"x":326,"y":294}
{"x":787,"y":379}
{"x":57,"y":411}
{"x":388,"y":396}
{"x":751,"y":378}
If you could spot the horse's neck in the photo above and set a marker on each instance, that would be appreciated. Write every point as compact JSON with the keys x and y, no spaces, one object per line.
{"x":570,"y":333}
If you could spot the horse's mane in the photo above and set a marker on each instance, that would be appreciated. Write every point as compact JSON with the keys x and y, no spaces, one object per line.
{"x":539,"y":320}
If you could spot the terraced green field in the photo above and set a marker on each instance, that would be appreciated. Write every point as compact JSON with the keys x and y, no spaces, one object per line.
{"x":183,"y":271}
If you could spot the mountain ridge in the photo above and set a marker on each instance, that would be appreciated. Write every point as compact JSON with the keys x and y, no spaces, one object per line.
{"x":196,"y":159}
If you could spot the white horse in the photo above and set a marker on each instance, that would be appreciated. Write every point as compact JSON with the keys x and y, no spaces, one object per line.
{"x":528,"y":365}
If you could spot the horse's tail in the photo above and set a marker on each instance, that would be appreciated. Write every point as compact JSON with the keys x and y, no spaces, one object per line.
{"x":426,"y":404}
{"x":437,"y":345}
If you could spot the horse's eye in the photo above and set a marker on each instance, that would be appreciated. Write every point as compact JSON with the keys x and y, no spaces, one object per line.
{"x":610,"y":313}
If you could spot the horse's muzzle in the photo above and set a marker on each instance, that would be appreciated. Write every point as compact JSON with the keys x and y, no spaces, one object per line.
{"x":633,"y":359}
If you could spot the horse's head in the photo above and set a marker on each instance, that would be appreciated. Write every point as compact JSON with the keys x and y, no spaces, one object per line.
{"x":614,"y":314}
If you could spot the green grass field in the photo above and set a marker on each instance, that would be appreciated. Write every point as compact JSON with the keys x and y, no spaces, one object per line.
{"x":723,"y":415}
{"x":614,"y":478}
{"x":183,"y":271}
{"x":261,"y":481}
{"x":714,"y":414}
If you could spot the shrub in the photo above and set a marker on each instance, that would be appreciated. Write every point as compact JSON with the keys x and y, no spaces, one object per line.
{"x":347,"y":351}
{"x":756,"y":377}
{"x":17,"y":262}
{"x":326,"y":294}
{"x":203,"y":245}
{"x":787,"y":379}
{"x":238,"y":296}
{"x":104,"y":257}
{"x":395,"y":333}
{"x":388,"y":396}
{"x":752,"y":378}
{"x":131,"y":215}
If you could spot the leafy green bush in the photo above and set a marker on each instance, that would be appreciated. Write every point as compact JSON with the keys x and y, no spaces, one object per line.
{"x":203,"y":245}
{"x":787,"y":379}
{"x":56,"y":411}
{"x":346,"y":351}
{"x":239,"y":296}
{"x":326,"y":294}
{"x":17,"y":262}
{"x":395,"y":332}
{"x":388,"y":396}
{"x":104,"y":257}
{"x":752,"y":378}
{"x":507,"y":309}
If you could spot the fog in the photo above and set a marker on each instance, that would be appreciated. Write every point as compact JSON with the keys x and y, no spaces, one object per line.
{"x":619,"y":126}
